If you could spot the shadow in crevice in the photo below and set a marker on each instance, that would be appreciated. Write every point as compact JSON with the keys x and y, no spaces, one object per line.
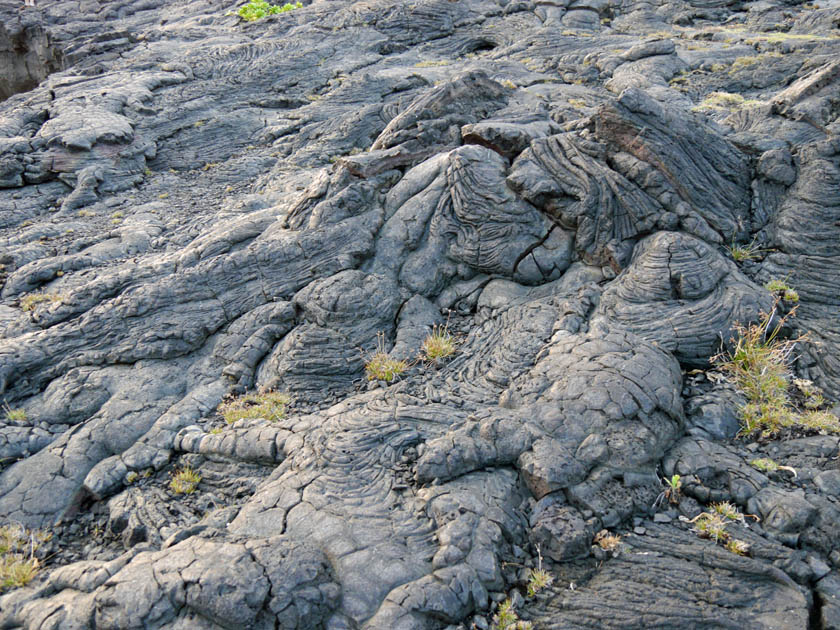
{"x":26,"y":58}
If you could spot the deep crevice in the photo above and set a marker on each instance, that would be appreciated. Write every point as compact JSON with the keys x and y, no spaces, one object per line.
{"x":27,"y":57}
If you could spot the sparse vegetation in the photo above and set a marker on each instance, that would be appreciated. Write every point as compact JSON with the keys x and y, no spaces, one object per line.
{"x":767,"y":465}
{"x":672,"y":488}
{"x":741,"y":253}
{"x":758,"y":365}
{"x":538,"y":578}
{"x":782,"y":289}
{"x":18,"y":563}
{"x":812,"y":394}
{"x":607,"y":541}
{"x":29,"y":302}
{"x":738,"y":547}
{"x":258,"y":9}
{"x":267,"y":405}
{"x":14,"y":415}
{"x":380,"y":366}
{"x":432,"y":64}
{"x":779,"y":37}
{"x":712,"y":526}
{"x":743,"y":63}
{"x":438,"y":345}
{"x":507,"y":619}
{"x":724,"y":101}
{"x":185,"y":481}
{"x":727,"y":510}
{"x":823,"y":422}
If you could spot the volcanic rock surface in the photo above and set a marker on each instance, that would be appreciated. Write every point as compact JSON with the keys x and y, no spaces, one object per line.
{"x":193,"y":207}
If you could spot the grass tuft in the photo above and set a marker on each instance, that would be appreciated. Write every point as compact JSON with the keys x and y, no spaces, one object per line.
{"x":742,"y":253}
{"x":267,"y":405}
{"x":18,"y":564}
{"x":438,"y":345}
{"x":712,"y":525}
{"x":258,"y":9}
{"x":380,"y":366}
{"x":607,"y":541}
{"x":758,"y":365}
{"x":14,"y":415}
{"x":782,"y":289}
{"x":738,"y":547}
{"x":728,"y":511}
{"x":185,"y":481}
{"x":724,"y":101}
{"x":30,"y":301}
{"x":767,"y":465}
{"x":507,"y":619}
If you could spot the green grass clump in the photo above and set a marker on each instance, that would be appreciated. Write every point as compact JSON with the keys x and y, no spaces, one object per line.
{"x":823,"y":422}
{"x":29,"y":302}
{"x":268,"y":405}
{"x":185,"y":481}
{"x":258,"y":9}
{"x":724,"y":101}
{"x":712,"y":526}
{"x":18,"y":564}
{"x":728,"y":511}
{"x":812,"y":394}
{"x":380,"y":366}
{"x":14,"y":415}
{"x":783,"y":289}
{"x":767,"y":465}
{"x":738,"y":547}
{"x":742,"y":253}
{"x":440,"y":344}
{"x":758,"y":365}
{"x":538,"y":579}
{"x":743,"y":63}
{"x":507,"y":619}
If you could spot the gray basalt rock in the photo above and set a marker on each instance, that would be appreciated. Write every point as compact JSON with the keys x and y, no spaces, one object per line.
{"x":194,"y":207}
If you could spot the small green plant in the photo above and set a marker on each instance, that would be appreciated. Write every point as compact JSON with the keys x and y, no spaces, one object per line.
{"x":767,"y":465}
{"x":738,"y":547}
{"x":30,"y":301}
{"x":727,"y":511}
{"x":381,"y":367}
{"x":813,"y":395}
{"x":184,"y":481}
{"x":258,"y":9}
{"x":215,"y":430}
{"x":712,"y":526}
{"x":507,"y":619}
{"x":132,"y":477}
{"x":438,"y":345}
{"x":538,"y":578}
{"x":782,"y":289}
{"x":14,"y":415}
{"x":672,"y":488}
{"x":268,"y":405}
{"x":742,"y":253}
{"x":18,"y":564}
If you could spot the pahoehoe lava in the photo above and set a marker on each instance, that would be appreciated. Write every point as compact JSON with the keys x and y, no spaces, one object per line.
{"x":194,"y":207}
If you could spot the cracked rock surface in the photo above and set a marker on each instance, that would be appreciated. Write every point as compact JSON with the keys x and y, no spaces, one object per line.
{"x":194,"y":208}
